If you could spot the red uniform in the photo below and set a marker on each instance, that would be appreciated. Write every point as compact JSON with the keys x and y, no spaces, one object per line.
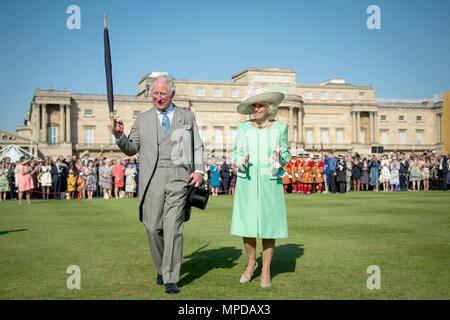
{"x":318,"y":175}
{"x":292,"y":170}
{"x":300,"y":171}
{"x":308,"y":176}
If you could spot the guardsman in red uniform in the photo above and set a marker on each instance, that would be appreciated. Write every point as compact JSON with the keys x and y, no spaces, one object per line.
{"x":308,"y":174}
{"x":300,"y":172}
{"x":285,"y":178}
{"x":318,"y":173}
{"x":291,"y":169}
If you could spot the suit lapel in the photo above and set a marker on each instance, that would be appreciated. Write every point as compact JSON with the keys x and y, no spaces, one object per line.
{"x":178,"y":117}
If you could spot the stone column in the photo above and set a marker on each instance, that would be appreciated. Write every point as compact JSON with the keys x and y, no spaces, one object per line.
{"x":353,"y":113}
{"x":371,"y":131}
{"x":439,"y":128}
{"x":62,"y":121}
{"x":68,"y":132}
{"x":375,"y":127}
{"x":44,"y":123}
{"x":300,"y":125}
{"x":291,"y":125}
{"x":358,"y":127}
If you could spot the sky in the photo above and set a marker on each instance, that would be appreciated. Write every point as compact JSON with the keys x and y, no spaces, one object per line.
{"x":407,"y":57}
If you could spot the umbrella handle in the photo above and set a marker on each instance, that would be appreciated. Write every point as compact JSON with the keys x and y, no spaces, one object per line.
{"x":111,"y":116}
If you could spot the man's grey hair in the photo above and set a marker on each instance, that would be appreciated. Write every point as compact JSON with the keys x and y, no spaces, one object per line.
{"x":166,"y":79}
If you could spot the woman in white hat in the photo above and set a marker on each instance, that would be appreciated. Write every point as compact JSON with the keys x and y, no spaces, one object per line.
{"x":259,"y":209}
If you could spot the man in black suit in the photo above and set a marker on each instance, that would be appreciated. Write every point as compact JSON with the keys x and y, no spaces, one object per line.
{"x":58,"y":174}
{"x":403,"y":172}
{"x":443,"y":169}
{"x":226,"y":169}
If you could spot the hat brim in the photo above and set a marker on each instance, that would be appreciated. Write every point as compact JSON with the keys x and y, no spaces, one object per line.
{"x":274,"y":98}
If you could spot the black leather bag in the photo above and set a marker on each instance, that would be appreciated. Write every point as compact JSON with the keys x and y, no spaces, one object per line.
{"x":195,"y":197}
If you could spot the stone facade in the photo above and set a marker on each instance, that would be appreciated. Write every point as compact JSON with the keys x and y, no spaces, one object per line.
{"x":341,"y":116}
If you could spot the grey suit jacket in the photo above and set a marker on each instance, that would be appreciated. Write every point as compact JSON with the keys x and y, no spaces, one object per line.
{"x":143,"y":139}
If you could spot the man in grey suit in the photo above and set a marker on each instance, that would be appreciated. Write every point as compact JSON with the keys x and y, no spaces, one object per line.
{"x":163,"y":137}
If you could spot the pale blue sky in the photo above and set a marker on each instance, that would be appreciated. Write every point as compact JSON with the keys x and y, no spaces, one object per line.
{"x":211,"y":40}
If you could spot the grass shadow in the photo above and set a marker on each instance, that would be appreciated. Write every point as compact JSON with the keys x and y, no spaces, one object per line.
{"x":202,"y":261}
{"x":9,"y":231}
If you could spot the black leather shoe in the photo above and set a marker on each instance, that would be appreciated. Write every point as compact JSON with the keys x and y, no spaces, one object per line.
{"x":159,"y":280}
{"x":172,"y":288}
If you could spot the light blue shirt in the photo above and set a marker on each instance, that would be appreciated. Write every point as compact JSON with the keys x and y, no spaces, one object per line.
{"x":169,"y":113}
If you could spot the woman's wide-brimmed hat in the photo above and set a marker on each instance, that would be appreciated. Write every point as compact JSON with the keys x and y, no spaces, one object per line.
{"x":259,"y":95}
{"x":24,"y":160}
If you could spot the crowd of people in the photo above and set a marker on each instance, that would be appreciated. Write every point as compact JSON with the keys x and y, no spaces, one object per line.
{"x":114,"y":177}
{"x":69,"y":178}
{"x":375,"y":172}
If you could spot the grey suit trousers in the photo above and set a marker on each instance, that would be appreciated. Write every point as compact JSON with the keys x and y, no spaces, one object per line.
{"x":163,"y":216}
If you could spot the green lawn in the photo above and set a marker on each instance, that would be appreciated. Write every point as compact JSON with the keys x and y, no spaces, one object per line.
{"x":332,"y":240}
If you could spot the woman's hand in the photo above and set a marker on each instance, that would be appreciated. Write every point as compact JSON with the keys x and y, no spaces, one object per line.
{"x":245,"y":164}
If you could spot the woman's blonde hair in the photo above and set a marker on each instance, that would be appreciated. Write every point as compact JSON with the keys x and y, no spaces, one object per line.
{"x":271,"y":109}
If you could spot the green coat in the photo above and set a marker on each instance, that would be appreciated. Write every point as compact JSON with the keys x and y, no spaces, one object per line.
{"x":259,"y":208}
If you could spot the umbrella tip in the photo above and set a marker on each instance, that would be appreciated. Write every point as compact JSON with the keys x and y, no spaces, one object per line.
{"x":104,"y":20}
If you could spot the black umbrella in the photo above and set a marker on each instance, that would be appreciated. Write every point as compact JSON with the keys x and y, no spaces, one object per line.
{"x":108,"y":69}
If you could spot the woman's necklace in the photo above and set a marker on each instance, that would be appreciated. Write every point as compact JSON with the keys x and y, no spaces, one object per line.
{"x":262,"y":125}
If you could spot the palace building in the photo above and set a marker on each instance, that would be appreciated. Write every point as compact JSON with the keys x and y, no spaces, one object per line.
{"x":337,"y":115}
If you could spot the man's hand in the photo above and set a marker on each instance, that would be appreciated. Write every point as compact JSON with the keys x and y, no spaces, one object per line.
{"x":117,"y":131}
{"x":197,"y":178}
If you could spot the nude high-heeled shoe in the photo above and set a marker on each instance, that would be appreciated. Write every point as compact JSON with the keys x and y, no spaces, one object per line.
{"x":245,"y":279}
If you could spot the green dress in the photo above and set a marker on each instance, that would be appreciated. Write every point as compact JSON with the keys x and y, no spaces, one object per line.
{"x":259,"y":208}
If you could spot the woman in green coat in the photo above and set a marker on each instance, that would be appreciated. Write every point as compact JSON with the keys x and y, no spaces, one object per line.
{"x":260,"y":152}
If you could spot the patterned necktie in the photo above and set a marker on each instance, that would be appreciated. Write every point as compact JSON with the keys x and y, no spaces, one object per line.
{"x":165,"y":122}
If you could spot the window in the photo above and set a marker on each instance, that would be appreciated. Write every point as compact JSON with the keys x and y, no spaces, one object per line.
{"x":88,"y":112}
{"x":419,"y":136}
{"x":309,"y":136}
{"x":339,"y":136}
{"x":338,"y":95}
{"x":200,"y":92}
{"x":401,"y":118}
{"x":234,"y":93}
{"x":324,"y":136}
{"x":323,"y":95}
{"x":217,"y":92}
{"x":136,"y":113}
{"x":52,"y":135}
{"x":402,"y":137}
{"x":362,"y":94}
{"x":308,"y":95}
{"x":362,"y":135}
{"x":383,"y":117}
{"x":88,"y":136}
{"x":218,"y":139}
{"x":418,"y":118}
{"x":384,"y":137}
